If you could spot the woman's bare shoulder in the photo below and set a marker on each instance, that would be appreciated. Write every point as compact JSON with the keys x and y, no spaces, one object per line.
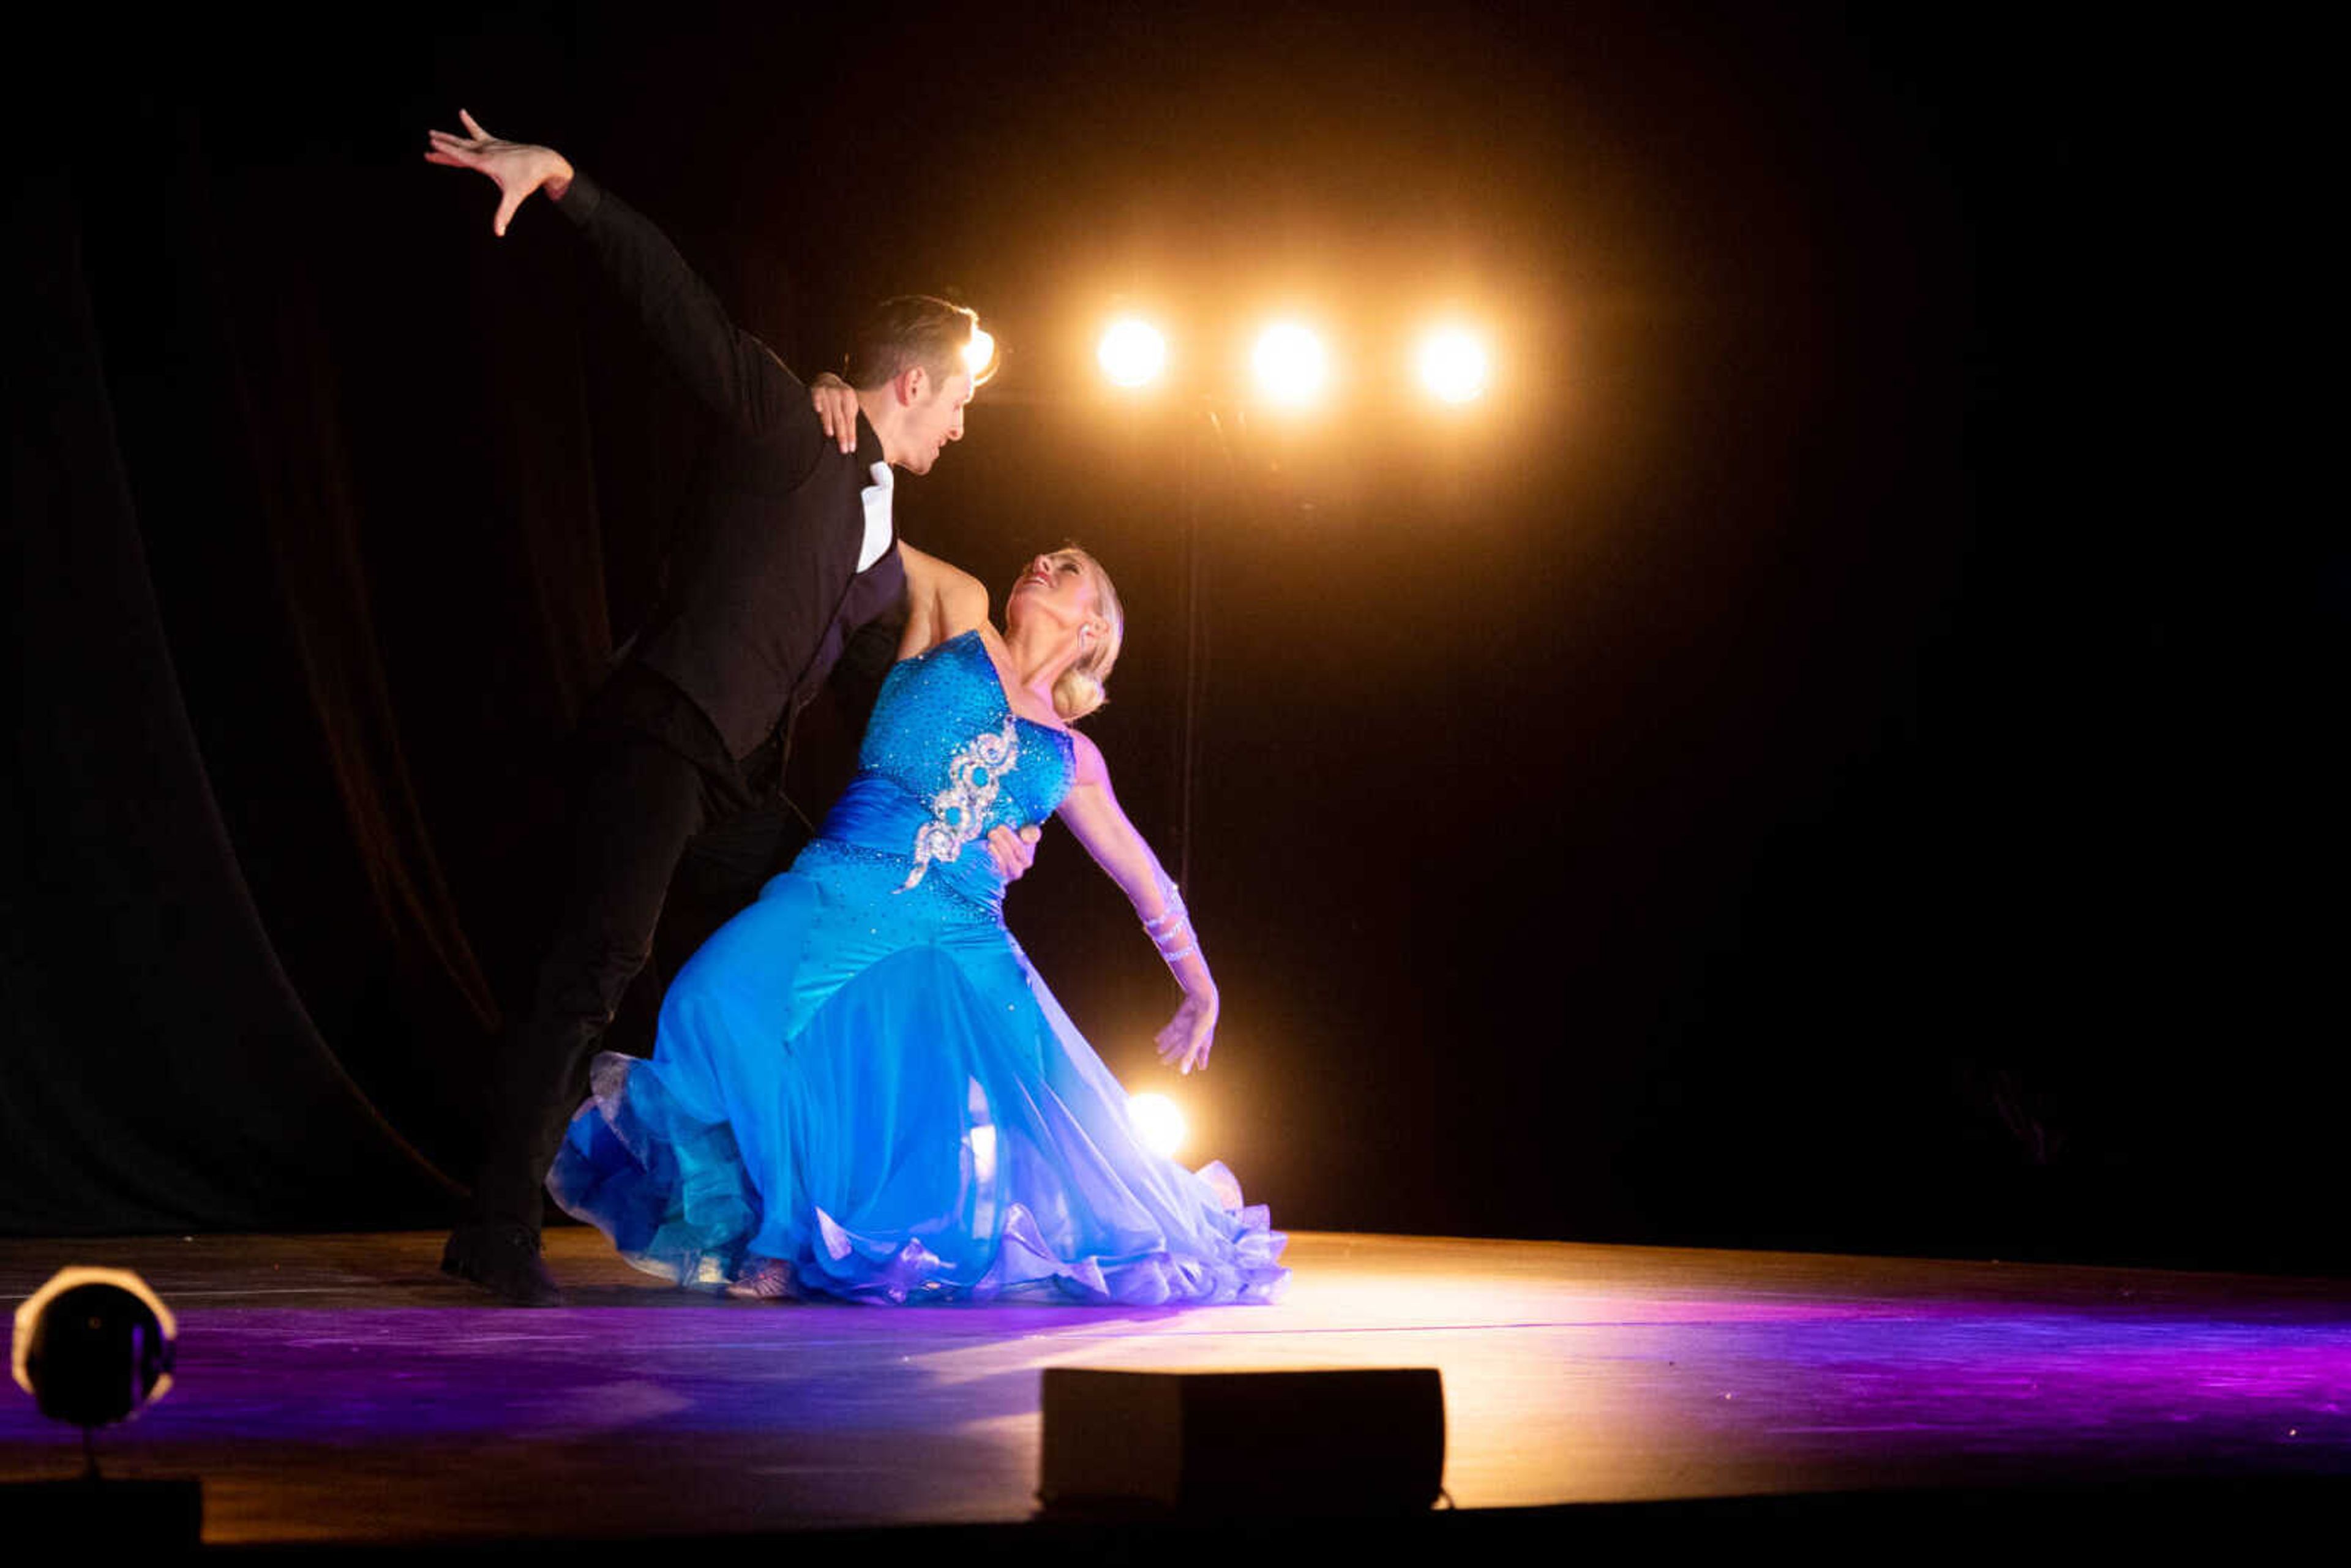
{"x":1090,"y":767}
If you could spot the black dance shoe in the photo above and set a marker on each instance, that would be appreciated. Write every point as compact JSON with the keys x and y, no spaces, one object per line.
{"x":502,"y":1258}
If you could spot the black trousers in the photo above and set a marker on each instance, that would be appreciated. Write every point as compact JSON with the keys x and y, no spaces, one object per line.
{"x":647,"y":822}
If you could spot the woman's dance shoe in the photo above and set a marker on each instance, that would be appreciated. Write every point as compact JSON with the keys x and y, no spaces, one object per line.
{"x":763,"y":1279}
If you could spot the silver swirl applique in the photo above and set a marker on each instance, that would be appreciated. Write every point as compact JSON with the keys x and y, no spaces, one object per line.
{"x":958,"y":811}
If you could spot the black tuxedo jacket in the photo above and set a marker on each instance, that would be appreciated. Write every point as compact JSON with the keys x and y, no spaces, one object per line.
{"x":770,"y":590}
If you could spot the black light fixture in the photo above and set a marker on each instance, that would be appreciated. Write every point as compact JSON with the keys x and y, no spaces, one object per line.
{"x":95,"y":1346}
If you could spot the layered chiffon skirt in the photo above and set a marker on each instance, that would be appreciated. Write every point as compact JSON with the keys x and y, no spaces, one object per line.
{"x":866,"y":1088}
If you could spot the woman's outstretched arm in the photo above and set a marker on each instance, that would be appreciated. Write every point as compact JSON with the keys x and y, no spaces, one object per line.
{"x":1092,"y":812}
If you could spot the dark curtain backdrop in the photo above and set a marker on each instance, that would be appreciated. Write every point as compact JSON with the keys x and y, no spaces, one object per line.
{"x":310,"y":565}
{"x":1841,"y":764}
{"x":308,"y":581}
{"x":166,"y":1070}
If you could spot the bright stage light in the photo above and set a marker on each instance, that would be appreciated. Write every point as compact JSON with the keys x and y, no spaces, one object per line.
{"x":1156,"y":1121}
{"x":1453,"y":364}
{"x":1131,"y":353}
{"x":980,"y":353}
{"x":1291,"y":365}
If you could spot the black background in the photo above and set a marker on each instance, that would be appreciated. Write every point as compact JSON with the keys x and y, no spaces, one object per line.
{"x":1831,"y":752}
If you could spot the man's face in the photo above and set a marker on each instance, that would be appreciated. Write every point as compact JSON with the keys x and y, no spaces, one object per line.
{"x":934,"y":419}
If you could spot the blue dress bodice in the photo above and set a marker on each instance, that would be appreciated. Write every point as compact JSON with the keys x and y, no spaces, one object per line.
{"x":945,"y":762}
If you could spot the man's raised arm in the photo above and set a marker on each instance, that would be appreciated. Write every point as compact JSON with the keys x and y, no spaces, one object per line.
{"x":739,"y":377}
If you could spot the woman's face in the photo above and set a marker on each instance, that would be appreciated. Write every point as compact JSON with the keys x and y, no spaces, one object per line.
{"x":1058,"y":584}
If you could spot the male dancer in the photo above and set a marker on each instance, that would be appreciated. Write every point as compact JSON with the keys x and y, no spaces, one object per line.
{"x":796,"y":551}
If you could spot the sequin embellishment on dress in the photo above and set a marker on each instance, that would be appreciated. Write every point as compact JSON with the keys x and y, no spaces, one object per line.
{"x":958,"y":811}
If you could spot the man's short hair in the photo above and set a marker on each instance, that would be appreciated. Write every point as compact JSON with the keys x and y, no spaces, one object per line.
{"x":911,"y":329}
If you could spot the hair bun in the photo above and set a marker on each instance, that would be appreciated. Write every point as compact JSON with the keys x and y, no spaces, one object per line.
{"x":1077,"y":694}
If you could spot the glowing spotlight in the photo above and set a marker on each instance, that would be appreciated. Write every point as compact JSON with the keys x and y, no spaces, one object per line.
{"x":1132,"y":351}
{"x":1453,"y":364}
{"x":980,"y":353}
{"x":1291,"y":365}
{"x":1156,"y":1121}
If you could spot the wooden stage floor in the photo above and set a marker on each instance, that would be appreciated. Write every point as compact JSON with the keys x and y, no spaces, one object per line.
{"x":334,"y":1389}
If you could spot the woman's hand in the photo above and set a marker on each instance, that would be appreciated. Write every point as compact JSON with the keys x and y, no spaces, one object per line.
{"x":1184,"y":1044}
{"x":836,"y":404}
{"x":517,"y":167}
{"x":1015,"y":853}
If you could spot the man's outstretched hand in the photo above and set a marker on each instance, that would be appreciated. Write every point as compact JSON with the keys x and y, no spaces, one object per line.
{"x":518,"y":167}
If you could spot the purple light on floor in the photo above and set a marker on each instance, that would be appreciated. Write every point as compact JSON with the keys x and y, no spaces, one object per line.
{"x":379,"y":1374}
{"x":1925,"y":1373}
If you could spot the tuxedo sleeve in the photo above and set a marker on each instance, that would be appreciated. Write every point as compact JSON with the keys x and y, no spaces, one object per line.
{"x":738,"y":376}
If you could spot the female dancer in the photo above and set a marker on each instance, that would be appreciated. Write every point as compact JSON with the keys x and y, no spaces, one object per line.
{"x":862,"y":1090}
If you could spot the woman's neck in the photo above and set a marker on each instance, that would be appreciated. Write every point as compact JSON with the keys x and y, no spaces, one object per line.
{"x":1038,"y":658}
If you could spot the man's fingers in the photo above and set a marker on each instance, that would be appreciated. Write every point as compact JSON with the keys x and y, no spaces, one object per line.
{"x":454,"y":151}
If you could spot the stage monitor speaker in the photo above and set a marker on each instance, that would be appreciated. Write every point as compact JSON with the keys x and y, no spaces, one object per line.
{"x":1342,"y":1441}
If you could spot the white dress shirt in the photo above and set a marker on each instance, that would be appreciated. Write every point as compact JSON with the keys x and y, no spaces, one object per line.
{"x":877,"y":518}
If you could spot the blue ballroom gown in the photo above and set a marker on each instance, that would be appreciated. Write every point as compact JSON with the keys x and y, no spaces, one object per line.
{"x":862,"y":1077}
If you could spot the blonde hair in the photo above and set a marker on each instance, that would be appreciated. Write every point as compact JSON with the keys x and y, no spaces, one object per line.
{"x":1079,"y":691}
